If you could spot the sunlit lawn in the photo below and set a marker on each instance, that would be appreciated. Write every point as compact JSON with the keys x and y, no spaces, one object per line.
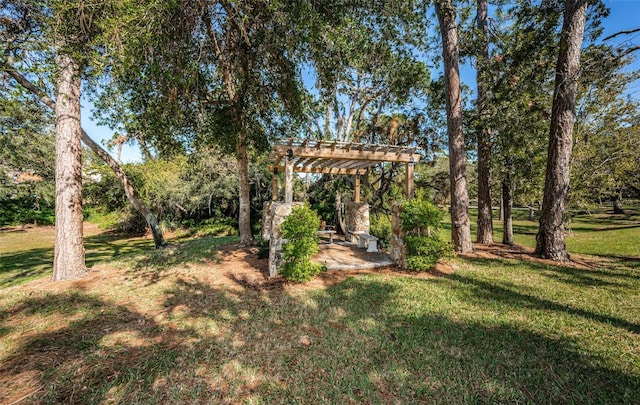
{"x":165,"y":330}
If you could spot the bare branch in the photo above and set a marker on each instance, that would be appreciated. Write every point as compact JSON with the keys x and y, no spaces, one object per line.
{"x":623,"y":32}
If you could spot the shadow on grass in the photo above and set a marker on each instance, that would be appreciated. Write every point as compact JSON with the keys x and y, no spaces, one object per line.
{"x":359,"y":341}
{"x":596,"y":275}
{"x":110,"y":246}
{"x":152,"y":265}
{"x":20,"y":267}
{"x":353,"y":342}
{"x":492,"y":292}
{"x":26,"y":265}
{"x":526,"y":229}
{"x":600,"y":228}
{"x":103,"y":346}
{"x":630,"y":262}
{"x":23,"y":266}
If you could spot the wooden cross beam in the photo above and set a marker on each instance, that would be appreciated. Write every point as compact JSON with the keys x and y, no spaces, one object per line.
{"x":321,"y":170}
{"x":344,"y":154}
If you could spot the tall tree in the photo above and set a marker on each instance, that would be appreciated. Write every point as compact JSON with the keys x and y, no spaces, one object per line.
{"x":33,"y":29}
{"x":240,"y":89}
{"x":550,"y":240}
{"x":460,"y":224}
{"x":68,"y":261}
{"x":485,"y":216}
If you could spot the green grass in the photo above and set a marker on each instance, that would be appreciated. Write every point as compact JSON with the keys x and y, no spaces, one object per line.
{"x":168,"y":330}
{"x":27,"y":254}
{"x":600,"y":233}
{"x":501,"y":331}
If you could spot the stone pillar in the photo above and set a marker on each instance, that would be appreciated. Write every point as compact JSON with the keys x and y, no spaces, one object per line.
{"x":356,"y":217}
{"x":266,"y":220}
{"x":398,"y":248}
{"x":278,"y":212}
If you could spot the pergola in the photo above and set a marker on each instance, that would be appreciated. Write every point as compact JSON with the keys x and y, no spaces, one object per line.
{"x":332,"y":157}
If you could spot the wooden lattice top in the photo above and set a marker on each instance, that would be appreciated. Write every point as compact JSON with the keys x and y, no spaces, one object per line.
{"x":332,"y":157}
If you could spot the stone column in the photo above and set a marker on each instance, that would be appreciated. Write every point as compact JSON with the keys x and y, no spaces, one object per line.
{"x":278,"y":212}
{"x":356,"y":217}
{"x":266,"y":220}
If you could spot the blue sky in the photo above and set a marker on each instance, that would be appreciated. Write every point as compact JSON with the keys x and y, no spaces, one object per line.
{"x":625,"y":14}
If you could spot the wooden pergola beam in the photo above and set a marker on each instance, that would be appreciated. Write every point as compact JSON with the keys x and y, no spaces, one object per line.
{"x":333,"y":153}
{"x":333,"y":157}
{"x":321,"y":170}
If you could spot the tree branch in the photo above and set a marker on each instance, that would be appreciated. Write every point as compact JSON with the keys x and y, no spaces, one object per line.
{"x":24,"y":82}
{"x":623,"y":32}
{"x":628,"y":51}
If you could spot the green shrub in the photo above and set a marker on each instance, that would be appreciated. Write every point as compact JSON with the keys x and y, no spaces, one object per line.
{"x":419,"y":214}
{"x":300,"y":229}
{"x":381,"y":229}
{"x":423,"y":252}
{"x":421,"y":263}
{"x":301,"y":270}
{"x":21,"y":211}
{"x":421,"y":220}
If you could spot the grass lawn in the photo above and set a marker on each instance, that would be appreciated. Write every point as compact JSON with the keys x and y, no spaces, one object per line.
{"x":195,"y":324}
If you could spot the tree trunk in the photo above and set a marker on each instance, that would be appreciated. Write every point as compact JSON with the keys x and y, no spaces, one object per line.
{"x":550,"y":238}
{"x":617,"y":205}
{"x":460,"y":226}
{"x":485,"y":217}
{"x":244,"y":217}
{"x":129,"y":190}
{"x":119,"y":152}
{"x":507,"y":198}
{"x":68,"y":261}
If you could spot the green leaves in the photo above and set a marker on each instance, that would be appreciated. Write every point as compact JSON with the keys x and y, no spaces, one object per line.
{"x":420,"y":214}
{"x":421,"y":220}
{"x":300,"y":229}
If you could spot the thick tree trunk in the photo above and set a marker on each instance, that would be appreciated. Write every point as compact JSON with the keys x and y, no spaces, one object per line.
{"x":485,"y":217}
{"x":507,"y":198}
{"x":129,"y":190}
{"x":617,"y":205}
{"x":244,"y":218}
{"x":68,"y":261}
{"x":460,"y":226}
{"x":550,"y":238}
